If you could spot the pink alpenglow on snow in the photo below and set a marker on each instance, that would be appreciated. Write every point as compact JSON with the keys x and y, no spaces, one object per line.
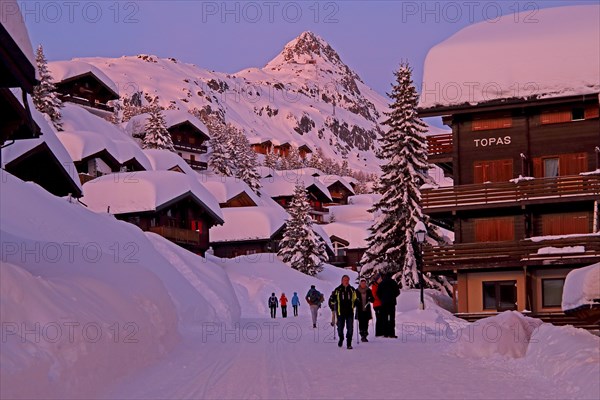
{"x":556,"y":55}
{"x":582,"y":288}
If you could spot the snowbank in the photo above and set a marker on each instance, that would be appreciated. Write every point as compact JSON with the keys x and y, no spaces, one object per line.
{"x":506,"y":334}
{"x":561,"y":354}
{"x":81,"y":290}
{"x":515,"y":57}
{"x":256,"y":276}
{"x":582,"y":287}
{"x":569,"y":356}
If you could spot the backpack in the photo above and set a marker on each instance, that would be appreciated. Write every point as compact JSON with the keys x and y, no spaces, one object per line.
{"x":315,"y":297}
{"x":272,"y":301}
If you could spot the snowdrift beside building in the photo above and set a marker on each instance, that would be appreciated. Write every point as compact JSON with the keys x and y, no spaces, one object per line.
{"x":82,"y":290}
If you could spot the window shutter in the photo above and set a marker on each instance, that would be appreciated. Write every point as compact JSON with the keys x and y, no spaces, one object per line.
{"x":537,"y":168}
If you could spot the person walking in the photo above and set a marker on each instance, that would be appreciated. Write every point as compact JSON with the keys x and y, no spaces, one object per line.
{"x":283,"y":301}
{"x":379,"y":325}
{"x":364,"y":298}
{"x":295,"y":303}
{"x":332,"y":307}
{"x":345,"y":298}
{"x":273,"y":303}
{"x":388,"y":291}
{"x":314,"y":298}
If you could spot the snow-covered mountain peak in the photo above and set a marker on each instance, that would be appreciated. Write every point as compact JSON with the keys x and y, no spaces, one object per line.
{"x":312,"y":55}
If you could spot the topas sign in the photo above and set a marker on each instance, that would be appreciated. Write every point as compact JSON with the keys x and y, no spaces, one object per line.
{"x":486,"y":142}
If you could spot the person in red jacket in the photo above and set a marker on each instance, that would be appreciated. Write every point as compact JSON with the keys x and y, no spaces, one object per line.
{"x":283,"y":302}
{"x":379,"y":322}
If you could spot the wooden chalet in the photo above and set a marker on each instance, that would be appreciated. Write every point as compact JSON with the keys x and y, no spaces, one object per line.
{"x":184,"y":214}
{"x":524,"y":203}
{"x":81,"y":83}
{"x":249,"y":230}
{"x":16,"y":71}
{"x":189,"y":136}
{"x":339,"y":189}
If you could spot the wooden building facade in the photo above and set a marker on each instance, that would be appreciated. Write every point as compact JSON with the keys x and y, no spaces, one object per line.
{"x":524,"y":205}
{"x":190,"y":143}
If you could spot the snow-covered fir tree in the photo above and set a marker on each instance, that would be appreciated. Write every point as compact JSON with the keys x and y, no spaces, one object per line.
{"x":316,"y":159}
{"x":293,"y":159}
{"x":391,"y":244}
{"x":345,"y":169}
{"x":219,"y":159}
{"x":244,"y":158}
{"x":300,"y":246}
{"x":45,"y":98}
{"x":156,"y":134}
{"x":271,"y":159}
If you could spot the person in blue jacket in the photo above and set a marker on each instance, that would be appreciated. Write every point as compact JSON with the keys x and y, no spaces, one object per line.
{"x":295,"y":303}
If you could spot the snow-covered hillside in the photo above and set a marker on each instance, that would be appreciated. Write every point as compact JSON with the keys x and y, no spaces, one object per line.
{"x":305,"y":95}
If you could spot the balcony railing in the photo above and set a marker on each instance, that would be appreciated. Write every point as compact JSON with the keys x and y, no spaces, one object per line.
{"x":439,"y":144}
{"x":198,"y":165}
{"x":194,"y":148}
{"x":85,"y":102}
{"x":508,"y":193}
{"x":177,"y":235}
{"x":566,"y":250}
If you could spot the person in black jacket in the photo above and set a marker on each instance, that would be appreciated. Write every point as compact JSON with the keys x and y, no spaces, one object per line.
{"x":345,"y":299}
{"x":364,"y":298}
{"x":387,"y":292}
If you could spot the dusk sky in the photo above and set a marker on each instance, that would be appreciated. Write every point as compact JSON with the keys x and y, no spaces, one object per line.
{"x":371,"y":37}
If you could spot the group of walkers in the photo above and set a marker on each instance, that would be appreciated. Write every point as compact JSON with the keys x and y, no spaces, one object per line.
{"x":348,"y":303}
{"x":273,"y":303}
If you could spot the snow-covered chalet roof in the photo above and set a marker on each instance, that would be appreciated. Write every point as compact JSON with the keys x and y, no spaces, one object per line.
{"x":86,"y":134}
{"x":249,"y":223}
{"x":277,"y":186}
{"x":65,"y":70}
{"x":176,"y":117}
{"x":329,"y":180}
{"x":355,"y":233}
{"x":145,"y":191}
{"x":165,"y":160}
{"x":553,"y":53}
{"x":12,"y":20}
{"x":48,"y":136}
{"x":226,"y":188}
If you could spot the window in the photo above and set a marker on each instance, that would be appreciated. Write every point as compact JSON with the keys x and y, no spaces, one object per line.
{"x":552,"y":290}
{"x":197,"y":226}
{"x":500,"y":295}
{"x":492,"y":171}
{"x":494,"y":229}
{"x":560,"y":165}
{"x":550,"y":167}
{"x":192,"y":140}
{"x":192,"y":157}
{"x":578,"y":114}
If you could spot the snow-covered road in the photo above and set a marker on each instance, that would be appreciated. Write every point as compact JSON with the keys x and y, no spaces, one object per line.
{"x":281,"y":359}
